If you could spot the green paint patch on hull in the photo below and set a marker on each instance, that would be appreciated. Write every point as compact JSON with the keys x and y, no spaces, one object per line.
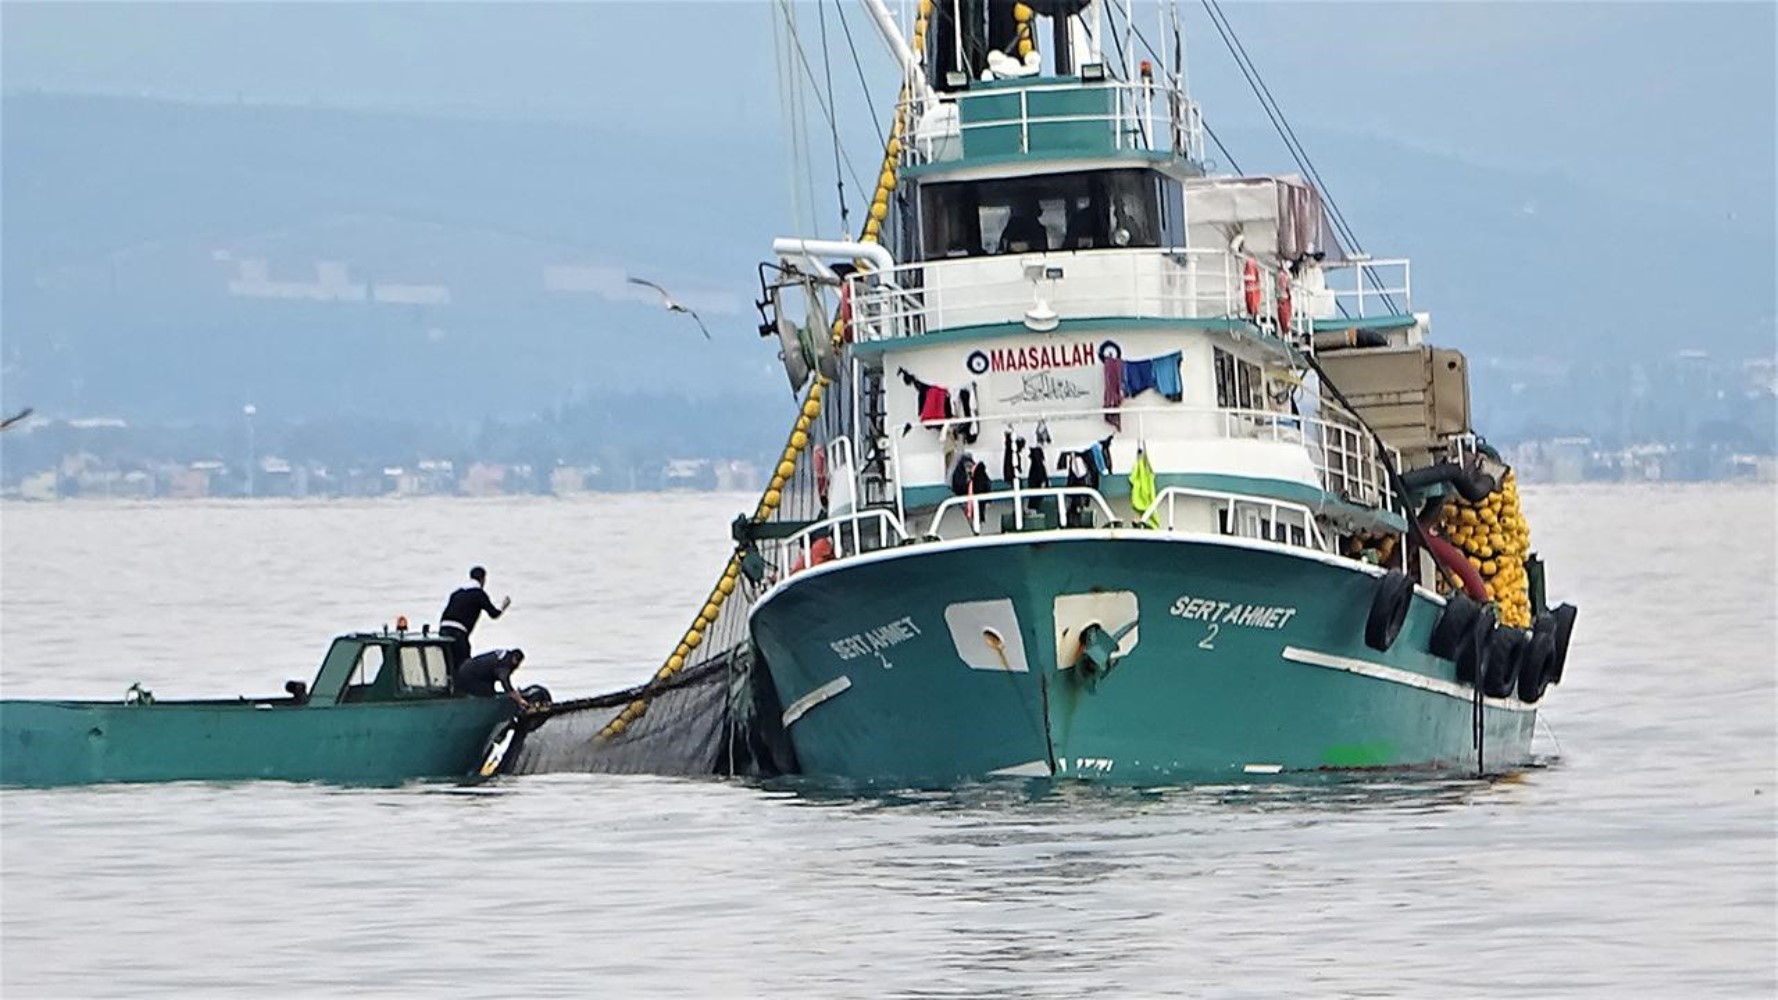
{"x":955,"y":661}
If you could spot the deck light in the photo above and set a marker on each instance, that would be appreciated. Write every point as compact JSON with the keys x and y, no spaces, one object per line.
{"x":401,"y":623}
{"x":1092,"y":72}
{"x":1041,"y":318}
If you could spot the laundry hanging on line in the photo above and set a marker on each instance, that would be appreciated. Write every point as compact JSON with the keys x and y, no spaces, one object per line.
{"x":1114,"y":392}
{"x":1160,"y":374}
{"x":933,"y":401}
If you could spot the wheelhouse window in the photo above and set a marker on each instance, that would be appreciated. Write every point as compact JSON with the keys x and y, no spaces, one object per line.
{"x":370,"y":664}
{"x":423,"y":668}
{"x":1090,"y":210}
{"x":1239,"y":384}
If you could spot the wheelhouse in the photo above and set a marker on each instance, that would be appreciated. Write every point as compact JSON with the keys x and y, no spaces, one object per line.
{"x":380,"y":667}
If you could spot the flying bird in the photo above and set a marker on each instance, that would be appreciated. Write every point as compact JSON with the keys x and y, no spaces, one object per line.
{"x":15,"y":418}
{"x":671,"y":304}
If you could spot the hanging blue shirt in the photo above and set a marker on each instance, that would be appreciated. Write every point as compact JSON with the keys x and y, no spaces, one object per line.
{"x":1160,"y":374}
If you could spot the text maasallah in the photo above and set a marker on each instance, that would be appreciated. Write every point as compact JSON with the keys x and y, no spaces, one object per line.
{"x":1042,"y":356}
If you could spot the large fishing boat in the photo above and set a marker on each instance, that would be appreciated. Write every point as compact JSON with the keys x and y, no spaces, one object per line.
{"x":1107,"y":465}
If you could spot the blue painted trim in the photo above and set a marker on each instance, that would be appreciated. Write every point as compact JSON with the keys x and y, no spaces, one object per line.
{"x":1024,"y":161}
{"x":1118,"y":486}
{"x":1105,"y":324}
{"x":1391,"y":322}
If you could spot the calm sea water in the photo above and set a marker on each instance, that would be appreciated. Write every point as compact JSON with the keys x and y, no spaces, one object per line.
{"x":1643,"y":859}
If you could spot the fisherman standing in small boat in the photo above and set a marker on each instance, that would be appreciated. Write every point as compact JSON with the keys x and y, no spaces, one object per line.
{"x":462,"y":610}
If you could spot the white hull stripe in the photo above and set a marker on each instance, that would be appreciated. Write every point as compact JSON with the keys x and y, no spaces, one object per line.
{"x":1396,"y":675}
{"x":450,"y":624}
{"x":801,"y":706}
{"x":1029,"y":769}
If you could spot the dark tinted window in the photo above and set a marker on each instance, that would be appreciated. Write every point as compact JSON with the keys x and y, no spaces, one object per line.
{"x":1080,"y":211}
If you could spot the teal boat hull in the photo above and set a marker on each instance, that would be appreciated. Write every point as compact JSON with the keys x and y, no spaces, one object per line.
{"x":45,"y":743}
{"x":1247,"y":658}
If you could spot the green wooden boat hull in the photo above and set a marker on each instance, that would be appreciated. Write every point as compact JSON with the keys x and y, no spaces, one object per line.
{"x":45,"y":743}
{"x":1247,"y":658}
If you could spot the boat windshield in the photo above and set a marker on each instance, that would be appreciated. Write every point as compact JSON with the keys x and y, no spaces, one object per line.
{"x":423,"y":668}
{"x":1073,"y":211}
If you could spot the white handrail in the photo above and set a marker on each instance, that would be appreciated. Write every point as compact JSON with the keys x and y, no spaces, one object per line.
{"x":801,"y":545}
{"x":1132,"y":116}
{"x":972,"y":504}
{"x":1168,"y":496}
{"x":914,"y":299}
{"x":1344,"y":456}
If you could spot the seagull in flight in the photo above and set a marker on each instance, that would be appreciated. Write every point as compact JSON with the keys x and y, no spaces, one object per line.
{"x":671,"y":304}
{"x":15,"y":418}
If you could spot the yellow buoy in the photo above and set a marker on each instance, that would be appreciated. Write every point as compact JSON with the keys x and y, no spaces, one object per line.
{"x":798,"y":439}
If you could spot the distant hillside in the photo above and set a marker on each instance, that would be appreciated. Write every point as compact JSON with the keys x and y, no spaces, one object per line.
{"x":171,"y":262}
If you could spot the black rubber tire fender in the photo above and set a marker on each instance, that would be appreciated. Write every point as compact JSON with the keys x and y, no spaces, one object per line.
{"x":1472,"y":651}
{"x":1506,"y":650}
{"x":1538,"y":665}
{"x":1564,"y":616}
{"x":1389,"y":610}
{"x":1454,"y":625}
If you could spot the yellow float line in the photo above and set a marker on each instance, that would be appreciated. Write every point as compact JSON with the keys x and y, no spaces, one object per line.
{"x":773,"y":496}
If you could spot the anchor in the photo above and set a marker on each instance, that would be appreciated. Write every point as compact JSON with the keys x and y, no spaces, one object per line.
{"x":1098,"y":652}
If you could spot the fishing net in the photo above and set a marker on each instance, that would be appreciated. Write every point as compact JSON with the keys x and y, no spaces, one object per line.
{"x":703,"y":720}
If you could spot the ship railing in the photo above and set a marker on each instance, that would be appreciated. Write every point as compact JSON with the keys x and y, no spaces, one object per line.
{"x":864,"y":530}
{"x":1242,"y":515}
{"x":1365,"y":288}
{"x":915,"y":299}
{"x":973,"y":506}
{"x":1136,"y":116}
{"x":1345,"y":457}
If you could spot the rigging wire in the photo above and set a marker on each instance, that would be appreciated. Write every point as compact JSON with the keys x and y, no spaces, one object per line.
{"x":827,"y":112}
{"x":1179,"y":78}
{"x":863,"y":84}
{"x":833,"y":124}
{"x":793,"y":124}
{"x":1281,"y":124}
{"x":1286,"y":132}
{"x":1224,"y":150}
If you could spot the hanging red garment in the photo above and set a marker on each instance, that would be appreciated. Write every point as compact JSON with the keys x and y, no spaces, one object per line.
{"x":935,"y":404}
{"x":1114,"y":392}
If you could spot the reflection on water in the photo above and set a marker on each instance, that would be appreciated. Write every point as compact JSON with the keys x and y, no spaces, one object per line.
{"x":1641,"y":860}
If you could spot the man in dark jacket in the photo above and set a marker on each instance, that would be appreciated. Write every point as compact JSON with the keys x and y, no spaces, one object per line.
{"x":478,"y":675}
{"x":462,"y":610}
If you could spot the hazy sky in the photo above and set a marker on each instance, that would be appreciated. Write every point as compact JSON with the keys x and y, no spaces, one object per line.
{"x":1672,"y":102}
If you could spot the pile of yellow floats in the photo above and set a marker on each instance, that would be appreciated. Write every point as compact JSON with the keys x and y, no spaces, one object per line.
{"x":1494,"y":536}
